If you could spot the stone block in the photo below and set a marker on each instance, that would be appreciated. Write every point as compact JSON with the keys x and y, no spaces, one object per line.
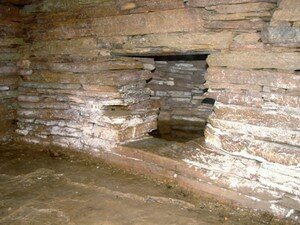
{"x":236,"y":98}
{"x":256,"y":59}
{"x":106,"y":8}
{"x":205,"y":3}
{"x":252,"y":148}
{"x":276,"y":135}
{"x":282,"y":35}
{"x":253,"y":25}
{"x":237,"y":16}
{"x":282,"y":100}
{"x":116,"y":78}
{"x":289,"y":10}
{"x":180,"y":20}
{"x":44,"y":105}
{"x":233,"y":87}
{"x":247,"y":38}
{"x":95,"y":66}
{"x":35,"y":85}
{"x":176,"y":42}
{"x":284,"y":80}
{"x":242,"y":8}
{"x":82,"y":46}
{"x":248,"y":115}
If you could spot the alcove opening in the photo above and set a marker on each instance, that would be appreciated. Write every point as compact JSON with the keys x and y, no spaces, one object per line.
{"x":178,"y":85}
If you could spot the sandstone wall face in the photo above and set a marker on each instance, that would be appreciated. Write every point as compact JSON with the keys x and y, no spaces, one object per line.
{"x":10,"y":40}
{"x":79,"y":89}
{"x":256,"y":85}
{"x":256,"y":116}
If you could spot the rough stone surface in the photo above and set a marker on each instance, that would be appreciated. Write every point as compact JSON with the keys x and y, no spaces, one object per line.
{"x":176,"y":43}
{"x":178,"y":86}
{"x":74,"y":91}
{"x":205,"y":3}
{"x":259,"y":59}
{"x":10,"y":41}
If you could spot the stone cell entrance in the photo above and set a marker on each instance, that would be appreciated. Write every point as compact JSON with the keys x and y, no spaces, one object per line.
{"x":178,"y":84}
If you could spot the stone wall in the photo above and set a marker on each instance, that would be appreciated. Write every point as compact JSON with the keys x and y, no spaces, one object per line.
{"x":79,"y":90}
{"x":10,"y":41}
{"x":178,"y":85}
{"x":77,"y":95}
{"x":256,"y":116}
{"x":79,"y":85}
{"x":256,"y":85}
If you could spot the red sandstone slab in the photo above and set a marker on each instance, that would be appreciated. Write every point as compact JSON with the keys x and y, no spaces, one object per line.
{"x":104,"y":77}
{"x":233,"y":87}
{"x":256,"y":59}
{"x":253,"y":77}
{"x":80,"y":46}
{"x":110,"y":8}
{"x":204,"y":3}
{"x":262,"y":117}
{"x":243,"y":25}
{"x":171,"y":43}
{"x":242,"y":8}
{"x":179,"y":20}
{"x":259,"y":132}
{"x":237,"y":16}
{"x":270,"y":151}
{"x":248,"y":99}
{"x":90,"y":67}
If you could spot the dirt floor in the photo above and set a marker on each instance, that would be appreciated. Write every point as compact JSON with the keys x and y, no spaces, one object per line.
{"x":39,"y":187}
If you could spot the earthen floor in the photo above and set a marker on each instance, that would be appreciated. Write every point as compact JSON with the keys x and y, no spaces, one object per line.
{"x":38,"y":189}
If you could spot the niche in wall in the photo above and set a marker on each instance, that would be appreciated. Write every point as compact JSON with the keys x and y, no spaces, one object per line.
{"x":178,"y":85}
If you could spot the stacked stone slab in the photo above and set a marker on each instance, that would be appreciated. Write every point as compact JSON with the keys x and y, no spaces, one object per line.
{"x":78,"y":90}
{"x":178,"y":86}
{"x":257,"y":91}
{"x":73,"y":93}
{"x":256,"y":116}
{"x":10,"y":41}
{"x":254,"y":76}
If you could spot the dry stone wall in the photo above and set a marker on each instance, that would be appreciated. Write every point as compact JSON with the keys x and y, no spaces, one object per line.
{"x":78,"y":89}
{"x":256,"y":85}
{"x":75,"y":93}
{"x":256,"y":116}
{"x":178,"y":85}
{"x":87,"y":103}
{"x":75,"y":90}
{"x":10,"y":40}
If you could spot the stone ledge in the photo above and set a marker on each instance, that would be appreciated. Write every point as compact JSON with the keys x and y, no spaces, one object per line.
{"x":235,"y":179}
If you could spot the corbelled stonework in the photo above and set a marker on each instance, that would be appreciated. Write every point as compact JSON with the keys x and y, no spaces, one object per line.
{"x":84,"y":66}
